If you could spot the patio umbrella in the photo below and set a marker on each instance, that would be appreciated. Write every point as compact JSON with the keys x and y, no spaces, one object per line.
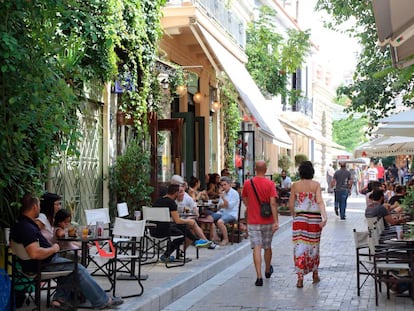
{"x":403,"y":118}
{"x":396,"y":130}
{"x":395,"y":27}
{"x":386,"y":146}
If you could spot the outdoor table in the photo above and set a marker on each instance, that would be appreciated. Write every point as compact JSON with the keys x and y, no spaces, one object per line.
{"x":84,"y":244}
{"x":205,"y":206}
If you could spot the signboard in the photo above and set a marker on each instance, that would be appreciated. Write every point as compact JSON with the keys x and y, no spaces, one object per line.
{"x":343,"y":157}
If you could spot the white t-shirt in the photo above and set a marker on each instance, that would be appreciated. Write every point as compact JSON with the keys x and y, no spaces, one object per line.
{"x":372,"y":174}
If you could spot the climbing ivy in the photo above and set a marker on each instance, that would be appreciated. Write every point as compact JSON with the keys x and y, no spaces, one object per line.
{"x":48,"y":50}
{"x":232,"y":119}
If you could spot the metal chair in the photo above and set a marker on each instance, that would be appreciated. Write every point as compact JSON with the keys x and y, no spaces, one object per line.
{"x":390,"y":259}
{"x":364,"y":259}
{"x":40,"y":279}
{"x":129,"y":262}
{"x":160,"y":216}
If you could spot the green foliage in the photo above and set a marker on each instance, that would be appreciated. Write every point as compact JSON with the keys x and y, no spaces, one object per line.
{"x":272,"y":57}
{"x":376,"y":83}
{"x":284,"y":162}
{"x":299,"y":158}
{"x":129,"y":177}
{"x":232,"y":119}
{"x":48,"y":50}
{"x":349,"y":133}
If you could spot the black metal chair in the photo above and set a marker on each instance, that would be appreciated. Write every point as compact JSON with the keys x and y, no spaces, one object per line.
{"x":41,"y":279}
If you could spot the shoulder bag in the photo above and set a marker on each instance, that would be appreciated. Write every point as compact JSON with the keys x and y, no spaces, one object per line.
{"x":265,"y":209}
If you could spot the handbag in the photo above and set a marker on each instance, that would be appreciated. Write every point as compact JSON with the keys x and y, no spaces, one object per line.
{"x":265,"y":209}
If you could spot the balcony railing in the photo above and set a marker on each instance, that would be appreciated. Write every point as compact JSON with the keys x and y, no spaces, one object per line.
{"x":303,"y":105}
{"x":217,"y":11}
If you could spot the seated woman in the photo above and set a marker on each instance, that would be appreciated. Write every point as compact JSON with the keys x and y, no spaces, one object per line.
{"x":377,"y":209}
{"x":213,"y":186}
{"x":193,"y":190}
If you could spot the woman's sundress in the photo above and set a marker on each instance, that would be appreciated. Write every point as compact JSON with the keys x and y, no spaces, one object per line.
{"x":306,"y":233}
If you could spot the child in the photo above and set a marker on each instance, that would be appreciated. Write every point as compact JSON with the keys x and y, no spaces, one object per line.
{"x":62,"y":221}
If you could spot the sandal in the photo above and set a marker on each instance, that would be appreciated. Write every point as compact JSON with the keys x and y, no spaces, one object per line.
{"x":299,"y":284}
{"x":315,"y":277}
{"x":61,"y":305}
{"x":112,"y":302}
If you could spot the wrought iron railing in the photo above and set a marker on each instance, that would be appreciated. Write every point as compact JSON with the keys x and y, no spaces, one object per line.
{"x":303,"y":105}
{"x":217,"y":10}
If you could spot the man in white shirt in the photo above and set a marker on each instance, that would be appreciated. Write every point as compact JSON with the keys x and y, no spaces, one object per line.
{"x":228,"y":205}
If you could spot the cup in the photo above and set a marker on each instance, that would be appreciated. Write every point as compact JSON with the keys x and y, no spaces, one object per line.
{"x":71,"y":231}
{"x":137,"y":215}
{"x":399,"y":231}
{"x":85,"y":232}
{"x":99,"y":228}
{"x":66,"y":232}
{"x":186,"y":210}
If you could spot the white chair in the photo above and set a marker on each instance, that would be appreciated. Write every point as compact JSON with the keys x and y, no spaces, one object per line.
{"x":97,"y":214}
{"x":129,"y":262}
{"x":122,"y":209}
{"x":160,"y":216}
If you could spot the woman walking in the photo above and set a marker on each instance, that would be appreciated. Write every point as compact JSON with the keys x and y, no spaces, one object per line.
{"x":309,"y":217}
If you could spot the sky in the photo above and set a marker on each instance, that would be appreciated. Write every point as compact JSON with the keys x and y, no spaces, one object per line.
{"x":337,"y":50}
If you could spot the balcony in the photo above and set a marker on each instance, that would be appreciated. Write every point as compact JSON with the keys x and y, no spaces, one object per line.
{"x":303,"y":105}
{"x":217,"y":11}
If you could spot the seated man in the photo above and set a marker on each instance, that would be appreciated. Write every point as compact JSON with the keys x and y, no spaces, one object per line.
{"x":26,"y":232}
{"x":377,"y":209}
{"x":229,"y":208}
{"x":179,"y":225}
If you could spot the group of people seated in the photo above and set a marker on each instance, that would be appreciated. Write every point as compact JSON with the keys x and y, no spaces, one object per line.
{"x":35,"y":232}
{"x":384,"y":203}
{"x":183,"y":198}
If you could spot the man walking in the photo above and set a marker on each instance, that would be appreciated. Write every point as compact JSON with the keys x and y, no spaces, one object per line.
{"x":329,"y":175}
{"x":260,"y":228}
{"x":342,"y":182}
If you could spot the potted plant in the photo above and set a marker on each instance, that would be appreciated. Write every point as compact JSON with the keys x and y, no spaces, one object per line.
{"x":408,"y":202}
{"x":129,"y":178}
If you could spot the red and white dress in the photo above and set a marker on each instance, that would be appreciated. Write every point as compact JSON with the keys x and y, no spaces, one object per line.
{"x":306,"y":233}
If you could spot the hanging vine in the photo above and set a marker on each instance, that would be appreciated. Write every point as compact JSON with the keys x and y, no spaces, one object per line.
{"x":48,"y":51}
{"x":230,"y":110}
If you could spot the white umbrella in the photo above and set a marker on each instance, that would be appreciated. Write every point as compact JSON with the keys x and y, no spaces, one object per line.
{"x":396,"y":130}
{"x":386,"y":146}
{"x":402,"y":118}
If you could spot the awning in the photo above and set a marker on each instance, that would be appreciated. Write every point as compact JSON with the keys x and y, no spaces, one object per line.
{"x":395,"y":27}
{"x":250,"y":94}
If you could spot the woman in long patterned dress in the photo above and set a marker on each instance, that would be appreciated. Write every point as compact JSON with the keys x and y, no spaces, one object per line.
{"x":309,"y":217}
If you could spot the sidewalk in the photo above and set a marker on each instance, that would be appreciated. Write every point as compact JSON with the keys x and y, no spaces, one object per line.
{"x":164,"y":286}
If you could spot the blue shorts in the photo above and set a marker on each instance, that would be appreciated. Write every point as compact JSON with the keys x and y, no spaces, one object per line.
{"x":226,"y":218}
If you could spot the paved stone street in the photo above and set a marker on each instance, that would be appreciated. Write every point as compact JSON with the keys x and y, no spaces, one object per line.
{"x":234,"y":288}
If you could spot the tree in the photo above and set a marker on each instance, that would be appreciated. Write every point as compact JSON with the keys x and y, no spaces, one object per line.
{"x":376,"y":84}
{"x":272,"y":57}
{"x":349,"y":132}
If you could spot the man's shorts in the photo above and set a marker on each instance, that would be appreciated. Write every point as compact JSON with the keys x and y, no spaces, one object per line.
{"x":260,"y":235}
